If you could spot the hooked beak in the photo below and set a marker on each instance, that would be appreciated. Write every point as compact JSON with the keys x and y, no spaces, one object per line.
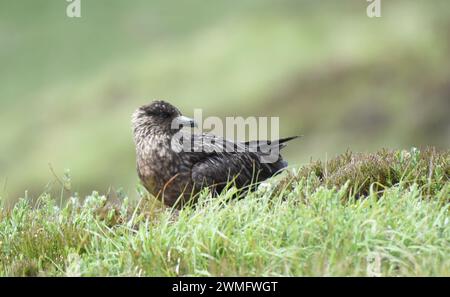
{"x":183,"y":121}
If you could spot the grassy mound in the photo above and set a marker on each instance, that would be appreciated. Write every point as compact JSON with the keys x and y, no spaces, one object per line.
{"x":310,"y":222}
{"x":429,"y":169}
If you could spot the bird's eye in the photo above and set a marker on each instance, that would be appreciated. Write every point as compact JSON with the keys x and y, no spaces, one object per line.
{"x":149,"y":113}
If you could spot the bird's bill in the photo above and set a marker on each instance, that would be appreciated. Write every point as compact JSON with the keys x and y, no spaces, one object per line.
{"x":183,"y":121}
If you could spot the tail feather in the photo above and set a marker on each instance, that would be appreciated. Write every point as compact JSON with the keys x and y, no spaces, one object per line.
{"x":269,"y":142}
{"x":281,"y":143}
{"x":283,"y":140}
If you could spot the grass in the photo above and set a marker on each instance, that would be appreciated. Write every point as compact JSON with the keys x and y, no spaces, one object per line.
{"x":300,"y":224}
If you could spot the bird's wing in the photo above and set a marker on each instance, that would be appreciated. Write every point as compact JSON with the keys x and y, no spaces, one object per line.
{"x":219,"y":169}
{"x":206,"y":144}
{"x":215,"y":161}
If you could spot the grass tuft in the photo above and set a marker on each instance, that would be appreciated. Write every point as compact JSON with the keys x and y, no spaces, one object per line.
{"x":429,"y":169}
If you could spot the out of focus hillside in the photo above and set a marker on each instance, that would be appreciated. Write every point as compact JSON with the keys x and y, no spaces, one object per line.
{"x":343,"y":80}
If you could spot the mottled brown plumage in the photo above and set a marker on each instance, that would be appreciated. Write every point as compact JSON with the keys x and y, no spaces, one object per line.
{"x":176,"y":176}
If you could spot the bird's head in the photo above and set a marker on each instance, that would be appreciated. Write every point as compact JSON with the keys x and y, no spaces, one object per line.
{"x":160,"y":117}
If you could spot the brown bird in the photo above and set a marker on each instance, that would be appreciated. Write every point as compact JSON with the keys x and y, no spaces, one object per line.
{"x":175,"y":175}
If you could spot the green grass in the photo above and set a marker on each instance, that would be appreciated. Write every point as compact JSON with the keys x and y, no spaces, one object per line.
{"x":298,"y":224}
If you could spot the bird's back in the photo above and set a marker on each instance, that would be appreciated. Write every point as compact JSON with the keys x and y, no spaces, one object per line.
{"x":217,"y":162}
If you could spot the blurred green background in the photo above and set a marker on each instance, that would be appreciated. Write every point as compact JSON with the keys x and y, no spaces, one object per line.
{"x":343,"y":80}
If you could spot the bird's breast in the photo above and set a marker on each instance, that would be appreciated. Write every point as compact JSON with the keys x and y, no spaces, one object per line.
{"x":156,"y":167}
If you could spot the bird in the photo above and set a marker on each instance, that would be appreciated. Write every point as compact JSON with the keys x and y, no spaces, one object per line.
{"x":176,"y":175}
